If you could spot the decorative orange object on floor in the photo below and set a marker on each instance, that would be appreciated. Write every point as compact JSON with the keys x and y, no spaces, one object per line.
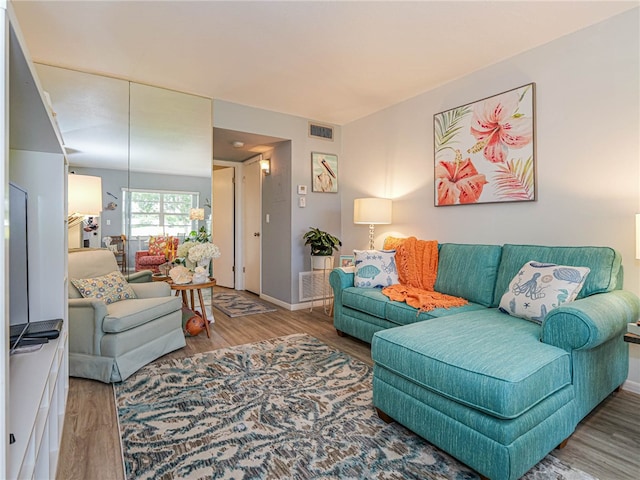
{"x":194,"y":326}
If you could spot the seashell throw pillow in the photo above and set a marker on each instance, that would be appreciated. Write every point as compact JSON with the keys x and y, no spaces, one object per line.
{"x":540,"y":287}
{"x":375,"y":268}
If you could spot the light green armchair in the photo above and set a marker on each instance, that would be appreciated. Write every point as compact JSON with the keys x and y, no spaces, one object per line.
{"x":109,"y":342}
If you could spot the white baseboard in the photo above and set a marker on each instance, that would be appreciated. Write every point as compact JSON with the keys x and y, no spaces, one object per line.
{"x":291,"y":307}
{"x":633,"y":387}
{"x":275,"y":301}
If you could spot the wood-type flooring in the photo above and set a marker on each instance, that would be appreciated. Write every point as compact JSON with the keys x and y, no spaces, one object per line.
{"x":606,"y":444}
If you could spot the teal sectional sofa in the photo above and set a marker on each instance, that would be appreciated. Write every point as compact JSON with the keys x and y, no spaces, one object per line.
{"x":495,"y":391}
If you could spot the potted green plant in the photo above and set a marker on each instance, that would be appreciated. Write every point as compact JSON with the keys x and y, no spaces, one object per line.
{"x":322,"y":246}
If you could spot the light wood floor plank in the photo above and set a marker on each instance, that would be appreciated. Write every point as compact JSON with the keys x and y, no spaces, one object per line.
{"x":606,"y":444}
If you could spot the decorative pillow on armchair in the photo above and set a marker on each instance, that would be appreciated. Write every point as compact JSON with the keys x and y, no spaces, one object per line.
{"x":110,"y":288}
{"x":375,"y":268}
{"x":158,"y":245}
{"x":540,"y":287}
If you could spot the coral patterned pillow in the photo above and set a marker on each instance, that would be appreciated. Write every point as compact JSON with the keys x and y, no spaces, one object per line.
{"x":158,"y":245}
{"x":540,"y":287}
{"x":110,"y":288}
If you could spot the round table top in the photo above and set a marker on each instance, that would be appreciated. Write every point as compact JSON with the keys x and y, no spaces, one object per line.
{"x":192,"y":286}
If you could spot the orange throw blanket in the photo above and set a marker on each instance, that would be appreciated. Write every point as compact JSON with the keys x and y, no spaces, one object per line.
{"x":417,"y":263}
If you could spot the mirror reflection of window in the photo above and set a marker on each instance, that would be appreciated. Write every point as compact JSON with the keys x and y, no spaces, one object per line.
{"x":160,"y":212}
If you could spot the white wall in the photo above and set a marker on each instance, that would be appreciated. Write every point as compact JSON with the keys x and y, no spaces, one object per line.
{"x":588,"y":153}
{"x":322,"y":210}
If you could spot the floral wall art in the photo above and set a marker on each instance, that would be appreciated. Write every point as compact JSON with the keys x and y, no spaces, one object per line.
{"x":485,"y":151}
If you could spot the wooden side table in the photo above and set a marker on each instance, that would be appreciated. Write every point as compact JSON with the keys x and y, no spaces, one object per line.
{"x":192,"y":288}
{"x":633,"y":333}
{"x":631,"y":338}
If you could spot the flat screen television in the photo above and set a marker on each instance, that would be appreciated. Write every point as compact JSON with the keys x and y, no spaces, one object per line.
{"x":18,"y":256}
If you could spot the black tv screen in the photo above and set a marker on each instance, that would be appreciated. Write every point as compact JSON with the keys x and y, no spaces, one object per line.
{"x":18,"y":256}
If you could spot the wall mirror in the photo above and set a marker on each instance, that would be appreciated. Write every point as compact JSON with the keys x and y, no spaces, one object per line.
{"x":151,"y":146}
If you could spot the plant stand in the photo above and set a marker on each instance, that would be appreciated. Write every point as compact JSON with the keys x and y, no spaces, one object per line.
{"x":326,"y":265}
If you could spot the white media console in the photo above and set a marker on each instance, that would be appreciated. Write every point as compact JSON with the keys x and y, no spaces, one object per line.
{"x":34,"y":385}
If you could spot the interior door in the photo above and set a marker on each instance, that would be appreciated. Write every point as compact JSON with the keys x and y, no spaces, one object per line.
{"x":223,"y":225}
{"x":252,"y":202}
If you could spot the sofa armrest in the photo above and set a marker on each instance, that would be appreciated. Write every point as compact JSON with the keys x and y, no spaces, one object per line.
{"x":86,"y":316}
{"x":151,"y":289}
{"x":143,"y":276}
{"x":590,"y":321}
{"x":339,"y":280}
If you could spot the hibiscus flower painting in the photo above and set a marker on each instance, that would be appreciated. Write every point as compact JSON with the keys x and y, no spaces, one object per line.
{"x":485,"y":151}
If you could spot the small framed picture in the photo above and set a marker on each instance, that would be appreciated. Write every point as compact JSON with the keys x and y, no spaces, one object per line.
{"x":324,"y":168}
{"x":346,"y":260}
{"x":302,"y":189}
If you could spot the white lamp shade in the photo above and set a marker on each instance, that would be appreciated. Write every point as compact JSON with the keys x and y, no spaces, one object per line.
{"x":372,"y":211}
{"x":84,"y":195}
{"x":196,"y":214}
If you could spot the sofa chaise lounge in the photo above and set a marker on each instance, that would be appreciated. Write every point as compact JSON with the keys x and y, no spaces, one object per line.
{"x":495,"y":391}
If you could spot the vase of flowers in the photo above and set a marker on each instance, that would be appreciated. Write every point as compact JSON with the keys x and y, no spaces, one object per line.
{"x":202,"y":254}
{"x":197,"y":250}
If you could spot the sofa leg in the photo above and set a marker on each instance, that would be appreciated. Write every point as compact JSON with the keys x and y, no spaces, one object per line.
{"x":563,"y":443}
{"x":340,"y":333}
{"x":617,"y":390}
{"x":383,"y":416}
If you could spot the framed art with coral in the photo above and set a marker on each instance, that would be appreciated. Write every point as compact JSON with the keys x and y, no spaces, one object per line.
{"x":485,"y":151}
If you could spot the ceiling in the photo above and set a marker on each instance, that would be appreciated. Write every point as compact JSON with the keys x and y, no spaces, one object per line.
{"x":326,"y":61}
{"x":225,"y":145}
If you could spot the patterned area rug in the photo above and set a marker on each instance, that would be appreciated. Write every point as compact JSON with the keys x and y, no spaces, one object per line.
{"x":289,"y":407}
{"x":236,"y":305}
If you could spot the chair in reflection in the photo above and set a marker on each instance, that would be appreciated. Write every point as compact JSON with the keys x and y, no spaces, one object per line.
{"x":161,"y":249}
{"x":118,"y":247}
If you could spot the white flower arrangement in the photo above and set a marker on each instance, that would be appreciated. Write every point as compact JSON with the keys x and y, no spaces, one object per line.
{"x":203,"y":251}
{"x":183,"y":249}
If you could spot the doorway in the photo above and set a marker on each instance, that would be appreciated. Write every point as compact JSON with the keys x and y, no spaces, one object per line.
{"x":223,"y":225}
{"x":252,"y":225}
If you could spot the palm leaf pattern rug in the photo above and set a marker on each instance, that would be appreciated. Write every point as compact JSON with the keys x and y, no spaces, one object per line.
{"x":289,"y":407}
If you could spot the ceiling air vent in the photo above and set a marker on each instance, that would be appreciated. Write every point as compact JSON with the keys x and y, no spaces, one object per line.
{"x":320,"y":131}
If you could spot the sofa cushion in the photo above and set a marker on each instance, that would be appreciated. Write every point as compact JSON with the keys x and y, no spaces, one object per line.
{"x":403,"y":314}
{"x":483,"y":359}
{"x":604,"y":263}
{"x":540,"y":287}
{"x":151,"y":260}
{"x":468,"y":271}
{"x":369,"y":300}
{"x":109,"y":288}
{"x":128,"y":314}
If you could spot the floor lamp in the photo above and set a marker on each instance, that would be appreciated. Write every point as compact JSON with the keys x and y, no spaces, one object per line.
{"x":372,"y":211}
{"x":84,"y":197}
